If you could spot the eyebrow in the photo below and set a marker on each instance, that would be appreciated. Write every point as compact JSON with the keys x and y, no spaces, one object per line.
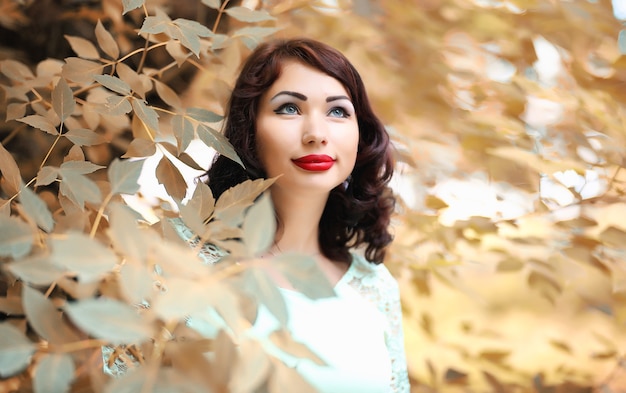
{"x":290,"y":93}
{"x":304,"y":98}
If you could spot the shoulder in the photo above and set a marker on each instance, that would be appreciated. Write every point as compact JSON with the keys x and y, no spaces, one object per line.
{"x":373,"y":281}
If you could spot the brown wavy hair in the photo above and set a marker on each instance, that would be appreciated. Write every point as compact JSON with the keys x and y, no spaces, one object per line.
{"x":358,"y":212}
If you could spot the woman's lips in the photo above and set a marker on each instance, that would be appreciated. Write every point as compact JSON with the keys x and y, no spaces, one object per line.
{"x":314,"y":162}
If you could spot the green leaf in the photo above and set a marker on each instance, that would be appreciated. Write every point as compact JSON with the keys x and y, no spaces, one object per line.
{"x":16,"y":237}
{"x":54,"y":373}
{"x":259,"y":226}
{"x":36,"y":209}
{"x":10,"y":171}
{"x":169,"y":176}
{"x":124,"y":176}
{"x":183,"y":131}
{"x":44,"y":317}
{"x":215,"y":4}
{"x":191,"y":27}
{"x":15,"y":350}
{"x":80,"y":70}
{"x":110,"y":320}
{"x":63,"y":100}
{"x":305,"y":275}
{"x":84,"y":137}
{"x":36,"y":270}
{"x":247,"y":15}
{"x":40,"y":122}
{"x":113,"y":83}
{"x":82,"y":255}
{"x":106,"y":41}
{"x":255,"y":32}
{"x":83,"y":48}
{"x":148,"y":116}
{"x":217,"y":141}
{"x":130,"y":5}
{"x":204,"y":115}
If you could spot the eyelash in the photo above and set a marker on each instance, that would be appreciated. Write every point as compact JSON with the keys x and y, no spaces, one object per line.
{"x":281,"y":110}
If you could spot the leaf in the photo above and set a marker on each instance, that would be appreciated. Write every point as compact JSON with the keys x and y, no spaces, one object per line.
{"x":136,"y":282}
{"x":168,"y":95}
{"x":215,"y":4}
{"x":40,"y":122}
{"x":15,"y":350}
{"x":233,"y":201}
{"x":54,"y":373}
{"x":169,"y":176}
{"x":124,"y":176}
{"x":16,"y":237}
{"x":46,"y":175}
{"x":36,"y":209}
{"x":84,"y":137}
{"x":148,"y":116}
{"x":79,"y":189}
{"x":139,"y":83}
{"x":79,"y":167}
{"x":106,"y":41}
{"x":183,"y":131}
{"x":130,"y":5}
{"x":193,"y":28}
{"x":159,"y":23}
{"x":175,"y":49}
{"x":11,"y":306}
{"x":287,"y":376}
{"x":82,"y":255}
{"x":247,"y":15}
{"x":115,"y":106}
{"x":113,"y":83}
{"x":80,"y":70}
{"x":16,"y":110}
{"x":10,"y":171}
{"x":202,"y":201}
{"x":255,"y":32}
{"x":44,"y":317}
{"x":109,"y":320}
{"x":83,"y":48}
{"x":305,"y":275}
{"x":190,"y":162}
{"x":217,"y":141}
{"x":15,"y":70}
{"x":139,"y":148}
{"x":176,"y":260}
{"x":621,"y":42}
{"x":125,"y":234}
{"x":181,"y":298}
{"x":204,"y":115}
{"x":63,"y":100}
{"x":259,"y":226}
{"x":263,"y":289}
{"x":37,"y":270}
{"x":251,"y":367}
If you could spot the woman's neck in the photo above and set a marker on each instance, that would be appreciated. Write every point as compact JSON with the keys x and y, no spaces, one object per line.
{"x":298,"y":222}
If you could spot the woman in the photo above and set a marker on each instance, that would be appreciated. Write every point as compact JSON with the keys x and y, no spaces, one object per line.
{"x":299,"y":111}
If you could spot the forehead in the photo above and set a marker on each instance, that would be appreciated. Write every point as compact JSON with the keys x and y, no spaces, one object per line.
{"x":303,"y":78}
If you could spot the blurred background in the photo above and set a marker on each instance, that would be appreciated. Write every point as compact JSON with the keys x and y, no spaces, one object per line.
{"x":508,"y":119}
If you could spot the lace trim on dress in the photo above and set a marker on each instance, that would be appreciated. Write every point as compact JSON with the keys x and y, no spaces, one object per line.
{"x":376,"y":284}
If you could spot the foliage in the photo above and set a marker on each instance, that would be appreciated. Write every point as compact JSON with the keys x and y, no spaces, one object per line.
{"x":509,"y":122}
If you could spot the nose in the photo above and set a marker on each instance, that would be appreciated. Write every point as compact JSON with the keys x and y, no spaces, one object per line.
{"x":315,"y":130}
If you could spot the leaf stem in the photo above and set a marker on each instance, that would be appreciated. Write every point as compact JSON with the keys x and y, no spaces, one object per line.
{"x":219,"y":15}
{"x":96,"y":221}
{"x":51,"y":148}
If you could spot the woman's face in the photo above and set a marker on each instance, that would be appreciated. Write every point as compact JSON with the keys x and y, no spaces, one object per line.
{"x":306,"y":130}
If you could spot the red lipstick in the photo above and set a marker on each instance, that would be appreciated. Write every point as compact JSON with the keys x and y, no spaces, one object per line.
{"x":315,"y":162}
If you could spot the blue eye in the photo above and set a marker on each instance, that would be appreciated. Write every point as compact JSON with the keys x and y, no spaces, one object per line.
{"x":338,"y":112}
{"x":287,"y":109}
